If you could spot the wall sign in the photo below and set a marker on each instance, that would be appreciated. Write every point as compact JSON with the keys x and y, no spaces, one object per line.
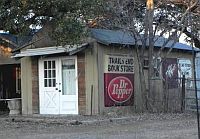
{"x":120,"y":89}
{"x":185,"y":68}
{"x":118,"y":80}
{"x":174,"y":69}
{"x":170,"y":72}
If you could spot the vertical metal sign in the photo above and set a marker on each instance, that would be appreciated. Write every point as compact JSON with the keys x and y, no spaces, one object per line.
{"x":170,"y":72}
{"x":118,"y":80}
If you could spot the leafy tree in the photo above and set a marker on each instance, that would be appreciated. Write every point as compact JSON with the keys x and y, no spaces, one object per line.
{"x":67,"y":17}
{"x":70,"y":17}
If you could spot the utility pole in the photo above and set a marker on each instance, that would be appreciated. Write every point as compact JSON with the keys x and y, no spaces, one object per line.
{"x":195,"y":88}
{"x":150,"y":13}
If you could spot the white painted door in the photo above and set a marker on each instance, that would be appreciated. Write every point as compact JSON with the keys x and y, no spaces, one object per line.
{"x":69,"y":94}
{"x":58,"y":86}
{"x":48,"y":86}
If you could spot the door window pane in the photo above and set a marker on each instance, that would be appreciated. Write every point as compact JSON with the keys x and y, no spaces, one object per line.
{"x":45,"y":73}
{"x":45,"y":64}
{"x":68,"y":77}
{"x":53,"y":73}
{"x":50,"y":85}
{"x":53,"y":65}
{"x":49,"y":64}
{"x":54,"y":82}
{"x":49,"y":74}
{"x":45,"y":83}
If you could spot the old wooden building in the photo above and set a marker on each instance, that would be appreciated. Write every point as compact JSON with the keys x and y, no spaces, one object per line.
{"x":97,"y":77}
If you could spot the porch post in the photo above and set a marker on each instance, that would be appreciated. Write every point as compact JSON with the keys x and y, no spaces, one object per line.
{"x":26,"y":85}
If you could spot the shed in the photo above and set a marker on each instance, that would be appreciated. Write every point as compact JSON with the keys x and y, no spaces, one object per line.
{"x":97,"y":77}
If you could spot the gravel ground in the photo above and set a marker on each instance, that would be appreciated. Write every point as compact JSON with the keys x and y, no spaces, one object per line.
{"x":137,"y":126}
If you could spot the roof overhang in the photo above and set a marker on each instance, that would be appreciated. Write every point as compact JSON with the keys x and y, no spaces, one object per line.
{"x":8,"y":61}
{"x":70,"y":50}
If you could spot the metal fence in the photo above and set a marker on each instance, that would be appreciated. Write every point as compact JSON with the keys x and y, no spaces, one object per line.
{"x":175,"y":95}
{"x":190,"y":95}
{"x":168,"y":95}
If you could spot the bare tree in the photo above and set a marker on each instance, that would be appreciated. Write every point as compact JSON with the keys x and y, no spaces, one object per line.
{"x":146,"y":22}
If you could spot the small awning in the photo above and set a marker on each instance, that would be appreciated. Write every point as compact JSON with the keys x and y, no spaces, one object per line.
{"x":7,"y":61}
{"x":51,"y":50}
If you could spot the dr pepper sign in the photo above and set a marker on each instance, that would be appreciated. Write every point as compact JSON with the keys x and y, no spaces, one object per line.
{"x":118,"y":80}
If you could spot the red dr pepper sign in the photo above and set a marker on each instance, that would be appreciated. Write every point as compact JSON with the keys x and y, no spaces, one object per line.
{"x":120,"y":89}
{"x":118,"y":81}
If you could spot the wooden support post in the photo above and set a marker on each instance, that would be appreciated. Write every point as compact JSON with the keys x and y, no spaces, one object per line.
{"x":183,"y":94}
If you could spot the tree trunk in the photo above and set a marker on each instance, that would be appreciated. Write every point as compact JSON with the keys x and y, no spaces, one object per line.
{"x":150,"y":13}
{"x":143,"y":85}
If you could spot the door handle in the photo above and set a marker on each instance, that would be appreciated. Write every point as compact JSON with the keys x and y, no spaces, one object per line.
{"x":56,"y":88}
{"x":59,"y":91}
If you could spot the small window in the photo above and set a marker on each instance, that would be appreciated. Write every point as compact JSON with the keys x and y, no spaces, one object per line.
{"x":68,"y":77}
{"x":157,"y":65}
{"x":146,"y":63}
{"x":156,"y":68}
{"x":49,"y":74}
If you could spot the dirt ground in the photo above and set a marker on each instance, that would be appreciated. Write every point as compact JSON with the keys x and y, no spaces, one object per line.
{"x":140,"y":126}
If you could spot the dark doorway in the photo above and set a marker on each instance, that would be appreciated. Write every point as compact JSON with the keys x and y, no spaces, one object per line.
{"x":10,"y":83}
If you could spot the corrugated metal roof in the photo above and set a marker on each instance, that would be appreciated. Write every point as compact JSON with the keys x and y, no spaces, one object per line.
{"x":40,"y":51}
{"x":120,"y":37}
{"x":50,"y":50}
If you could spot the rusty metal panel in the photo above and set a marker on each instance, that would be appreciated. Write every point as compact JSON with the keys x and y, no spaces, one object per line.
{"x":170,"y":72}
